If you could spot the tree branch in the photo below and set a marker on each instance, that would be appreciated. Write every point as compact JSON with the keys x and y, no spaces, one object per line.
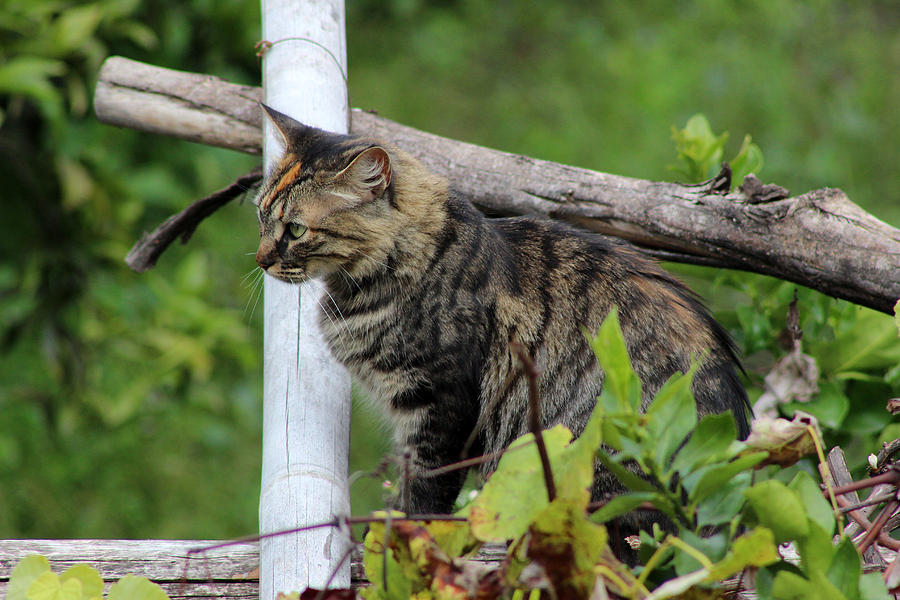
{"x":147,"y":250}
{"x":819,"y":239}
{"x":534,"y":416}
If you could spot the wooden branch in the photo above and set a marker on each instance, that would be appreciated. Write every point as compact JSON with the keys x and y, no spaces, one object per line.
{"x":837,"y":467}
{"x":819,"y":239}
{"x":147,"y":250}
{"x":534,"y":416}
{"x":200,"y":108}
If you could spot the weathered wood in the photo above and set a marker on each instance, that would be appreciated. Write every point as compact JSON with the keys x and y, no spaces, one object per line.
{"x":306,"y":392}
{"x":840,"y":474}
{"x":819,"y":239}
{"x":146,"y":251}
{"x":223,"y":573}
{"x":228,"y":573}
{"x":200,"y":107}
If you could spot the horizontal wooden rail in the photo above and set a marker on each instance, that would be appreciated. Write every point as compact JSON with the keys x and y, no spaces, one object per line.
{"x":229,"y":573}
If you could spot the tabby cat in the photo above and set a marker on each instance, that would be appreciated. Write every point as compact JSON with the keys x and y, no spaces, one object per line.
{"x":425,"y":295}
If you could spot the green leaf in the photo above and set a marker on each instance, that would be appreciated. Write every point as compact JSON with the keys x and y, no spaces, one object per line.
{"x":629,"y":479}
{"x":780,"y":509}
{"x":897,"y":316}
{"x":824,"y":589}
{"x":139,"y":33}
{"x":723,"y":504}
{"x":453,"y":537}
{"x":748,"y":160}
{"x":710,"y":442}
{"x":132,"y":587}
{"x":845,"y":569}
{"x":573,"y":470}
{"x":567,"y":545}
{"x":91,"y":582}
{"x":75,"y":26}
{"x":677,"y":586}
{"x":620,"y":381}
{"x":30,"y":76}
{"x":671,"y":416}
{"x":49,"y":587}
{"x":620,"y":505}
{"x":699,"y":149}
{"x":713,"y":547}
{"x":18,"y":74}
{"x":756,"y":548}
{"x":515,"y":493}
{"x":817,"y":508}
{"x":851,"y":351}
{"x":763,"y":583}
{"x":384,"y":572}
{"x":830,"y":406}
{"x":24,"y":573}
{"x":790,"y":586}
{"x":816,"y":551}
{"x":872,"y":587}
{"x":712,"y":478}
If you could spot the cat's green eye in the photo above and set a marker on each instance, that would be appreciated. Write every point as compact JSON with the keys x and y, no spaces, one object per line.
{"x":296,"y":230}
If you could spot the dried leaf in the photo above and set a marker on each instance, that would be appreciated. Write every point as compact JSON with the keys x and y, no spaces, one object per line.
{"x":794,"y":378}
{"x":785,"y":441}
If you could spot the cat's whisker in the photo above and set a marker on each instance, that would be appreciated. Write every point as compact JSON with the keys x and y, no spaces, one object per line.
{"x":375,"y":260}
{"x":346,"y":275}
{"x":337,"y":308}
{"x":339,"y":339}
{"x":247,"y":278}
{"x":256,"y":292}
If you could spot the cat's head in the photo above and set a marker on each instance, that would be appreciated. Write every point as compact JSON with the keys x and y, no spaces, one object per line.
{"x":325,"y":206}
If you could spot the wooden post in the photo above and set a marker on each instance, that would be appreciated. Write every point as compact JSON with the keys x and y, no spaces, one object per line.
{"x":306,"y":414}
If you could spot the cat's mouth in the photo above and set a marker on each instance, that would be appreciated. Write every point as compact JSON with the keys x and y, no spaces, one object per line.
{"x":289,"y":275}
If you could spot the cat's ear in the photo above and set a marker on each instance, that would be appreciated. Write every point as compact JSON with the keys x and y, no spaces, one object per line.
{"x":369,"y":173}
{"x":290,"y":130}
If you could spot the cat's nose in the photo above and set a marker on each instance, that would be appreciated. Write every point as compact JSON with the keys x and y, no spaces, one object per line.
{"x":265,"y":259}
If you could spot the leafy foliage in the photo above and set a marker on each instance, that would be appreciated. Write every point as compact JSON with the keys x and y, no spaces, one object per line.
{"x":156,"y":377}
{"x":700,"y":153}
{"x":32,"y":579}
{"x":726,"y":512}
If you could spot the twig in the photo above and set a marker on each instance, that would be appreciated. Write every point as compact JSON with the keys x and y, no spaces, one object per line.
{"x":892,"y":477}
{"x":469,"y":462}
{"x":815,"y":435}
{"x":883,"y":539}
{"x":534,"y":416}
{"x":887,"y":451}
{"x":878,"y":499}
{"x":334,"y":573}
{"x":877,"y":526}
{"x":336,"y":522}
{"x":593,"y":507}
{"x":146,"y":251}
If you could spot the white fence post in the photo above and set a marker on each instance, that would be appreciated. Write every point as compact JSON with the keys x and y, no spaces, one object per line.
{"x":306,"y":413}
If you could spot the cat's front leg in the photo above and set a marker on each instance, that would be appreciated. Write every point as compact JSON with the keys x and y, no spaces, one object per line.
{"x":437,"y":440}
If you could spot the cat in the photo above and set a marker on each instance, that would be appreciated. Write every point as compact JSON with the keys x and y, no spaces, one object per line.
{"x":425,"y":295}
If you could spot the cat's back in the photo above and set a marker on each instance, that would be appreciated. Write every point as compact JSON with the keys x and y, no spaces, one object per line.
{"x":568,"y":280}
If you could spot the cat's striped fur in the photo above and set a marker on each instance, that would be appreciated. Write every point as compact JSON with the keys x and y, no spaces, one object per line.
{"x":425,"y":294}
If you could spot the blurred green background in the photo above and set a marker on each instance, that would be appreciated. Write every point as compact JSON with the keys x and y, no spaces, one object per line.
{"x":130,"y":403}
